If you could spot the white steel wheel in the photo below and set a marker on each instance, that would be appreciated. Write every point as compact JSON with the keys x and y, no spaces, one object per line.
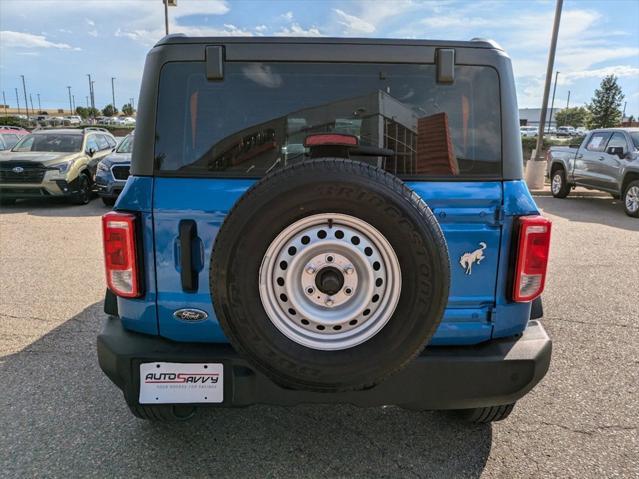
{"x":329,"y":281}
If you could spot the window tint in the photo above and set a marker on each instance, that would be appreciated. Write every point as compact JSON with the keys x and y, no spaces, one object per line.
{"x":597,"y":141}
{"x":259,"y":116}
{"x":103,"y":144}
{"x":127,"y":145}
{"x":618,"y":139}
{"x":110,"y":141}
{"x":10,"y":139}
{"x":92,"y":144}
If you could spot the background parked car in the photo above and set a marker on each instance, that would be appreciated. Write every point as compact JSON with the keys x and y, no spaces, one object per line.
{"x":10,"y":135}
{"x":607,"y":160}
{"x":113,"y":171}
{"x":528,"y":131}
{"x":54,"y":162}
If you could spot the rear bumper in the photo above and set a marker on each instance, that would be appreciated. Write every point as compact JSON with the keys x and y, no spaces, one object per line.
{"x":493,"y":373}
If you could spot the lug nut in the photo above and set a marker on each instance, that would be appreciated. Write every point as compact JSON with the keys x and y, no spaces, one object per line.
{"x":348,"y":291}
{"x":310,"y":290}
{"x":329,"y":259}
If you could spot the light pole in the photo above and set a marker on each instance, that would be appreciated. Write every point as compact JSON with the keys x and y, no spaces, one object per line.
{"x":91,"y":92}
{"x":623,"y":115}
{"x":70,"y":104}
{"x":18,"y":101}
{"x":73,"y":103}
{"x":552,"y":103}
{"x":536,"y":169}
{"x":167,"y":4}
{"x":113,"y":92}
{"x":87,"y":102}
{"x":31,"y":101}
{"x":26,"y":102}
{"x":39,"y":105}
{"x":4,"y":103}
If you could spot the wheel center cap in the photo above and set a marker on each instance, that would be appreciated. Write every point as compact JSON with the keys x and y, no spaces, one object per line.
{"x":329,"y":280}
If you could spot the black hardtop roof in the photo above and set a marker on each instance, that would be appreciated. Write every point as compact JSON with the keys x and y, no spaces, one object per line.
{"x":181,"y":39}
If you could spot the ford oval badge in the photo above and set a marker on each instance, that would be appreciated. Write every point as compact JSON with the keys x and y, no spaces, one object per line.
{"x":190,"y":315}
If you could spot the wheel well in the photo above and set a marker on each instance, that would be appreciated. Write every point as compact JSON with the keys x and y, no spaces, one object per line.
{"x":554,"y":167}
{"x":630,"y":177}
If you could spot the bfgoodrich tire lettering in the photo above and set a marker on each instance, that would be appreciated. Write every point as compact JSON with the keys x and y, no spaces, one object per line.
{"x":314,"y":188}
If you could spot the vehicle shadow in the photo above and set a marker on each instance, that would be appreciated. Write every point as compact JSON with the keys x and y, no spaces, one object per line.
{"x":587,"y":209}
{"x":60,"y":415}
{"x":55,"y":207}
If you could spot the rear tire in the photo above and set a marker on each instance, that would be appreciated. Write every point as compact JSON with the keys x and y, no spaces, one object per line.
{"x":484,"y":415}
{"x":164,"y":413}
{"x":631,"y":199}
{"x":108,"y":201}
{"x":558,"y":185}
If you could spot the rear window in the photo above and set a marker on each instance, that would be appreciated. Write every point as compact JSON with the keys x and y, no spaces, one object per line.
{"x":256,"y":119}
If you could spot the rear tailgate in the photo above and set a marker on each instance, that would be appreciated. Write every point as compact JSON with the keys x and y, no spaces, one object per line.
{"x":468,"y":213}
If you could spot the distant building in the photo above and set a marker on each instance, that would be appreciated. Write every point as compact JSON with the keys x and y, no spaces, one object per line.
{"x":531,"y":116}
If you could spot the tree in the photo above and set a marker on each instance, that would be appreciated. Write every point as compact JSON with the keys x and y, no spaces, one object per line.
{"x":86,"y":112}
{"x":127,"y":109}
{"x":576,"y":116}
{"x":605,"y":106}
{"x":109,"y":110}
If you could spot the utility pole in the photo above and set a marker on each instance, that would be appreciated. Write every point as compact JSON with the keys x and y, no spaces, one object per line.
{"x":4,"y":103}
{"x":93,"y":94}
{"x":26,"y":102}
{"x":132,"y":104}
{"x":18,"y":101}
{"x":552,"y":103}
{"x":113,"y":92}
{"x":39,"y":105}
{"x":73,"y":103}
{"x":87,"y":102}
{"x":31,"y":101}
{"x":568,"y":100}
{"x":535,"y":170}
{"x":70,"y":104}
{"x":623,"y":115}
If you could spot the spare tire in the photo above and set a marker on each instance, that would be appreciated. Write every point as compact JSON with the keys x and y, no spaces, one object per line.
{"x":329,"y":275}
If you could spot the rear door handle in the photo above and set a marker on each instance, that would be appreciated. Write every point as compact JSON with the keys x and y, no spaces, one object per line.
{"x":188,"y":273}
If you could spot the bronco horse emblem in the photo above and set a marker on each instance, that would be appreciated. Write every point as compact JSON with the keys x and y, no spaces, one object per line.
{"x":467,"y":259}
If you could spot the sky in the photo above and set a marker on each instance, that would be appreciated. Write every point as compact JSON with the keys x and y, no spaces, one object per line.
{"x":56,"y":43}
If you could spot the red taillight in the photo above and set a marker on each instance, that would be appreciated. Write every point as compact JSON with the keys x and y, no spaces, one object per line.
{"x":532,"y":257}
{"x":330,"y":139}
{"x":120,"y":259}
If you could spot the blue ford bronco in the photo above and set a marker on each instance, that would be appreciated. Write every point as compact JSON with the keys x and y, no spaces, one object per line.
{"x":325,"y":221}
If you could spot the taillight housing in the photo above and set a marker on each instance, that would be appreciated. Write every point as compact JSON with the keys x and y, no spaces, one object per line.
{"x":120,"y":257}
{"x":532,"y":257}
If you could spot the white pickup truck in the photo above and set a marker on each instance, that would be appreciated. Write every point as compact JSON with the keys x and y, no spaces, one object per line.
{"x":606,"y":160}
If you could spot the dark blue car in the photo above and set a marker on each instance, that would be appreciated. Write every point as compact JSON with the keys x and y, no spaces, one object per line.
{"x":113,"y":171}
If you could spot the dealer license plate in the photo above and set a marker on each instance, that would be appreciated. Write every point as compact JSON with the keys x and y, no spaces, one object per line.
{"x":180,"y":383}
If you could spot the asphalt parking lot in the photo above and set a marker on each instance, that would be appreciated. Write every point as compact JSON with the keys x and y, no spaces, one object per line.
{"x":61,"y":417}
